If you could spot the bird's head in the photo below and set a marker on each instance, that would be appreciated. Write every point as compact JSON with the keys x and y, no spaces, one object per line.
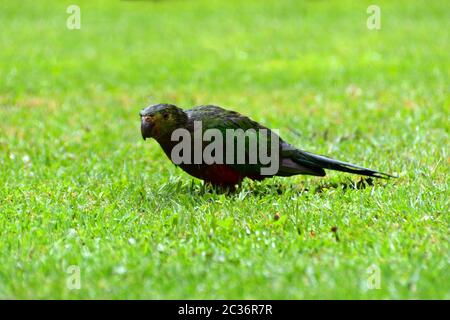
{"x":160,"y":120}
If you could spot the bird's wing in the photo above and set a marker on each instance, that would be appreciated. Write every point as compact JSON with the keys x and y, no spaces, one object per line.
{"x":213,"y":117}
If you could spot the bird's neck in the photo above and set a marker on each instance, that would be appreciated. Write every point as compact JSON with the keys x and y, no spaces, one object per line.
{"x":164,"y":137}
{"x":167,"y":145}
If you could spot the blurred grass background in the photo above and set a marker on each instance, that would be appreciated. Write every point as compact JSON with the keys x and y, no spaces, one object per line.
{"x":78,"y":186}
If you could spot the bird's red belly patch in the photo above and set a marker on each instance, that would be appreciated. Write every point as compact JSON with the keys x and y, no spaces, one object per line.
{"x":220,"y":174}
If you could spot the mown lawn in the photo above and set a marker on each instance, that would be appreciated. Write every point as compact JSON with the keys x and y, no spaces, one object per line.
{"x":79,"y":187}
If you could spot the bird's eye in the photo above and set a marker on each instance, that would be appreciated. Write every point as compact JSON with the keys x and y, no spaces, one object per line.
{"x":148,"y":119}
{"x":165,"y":115}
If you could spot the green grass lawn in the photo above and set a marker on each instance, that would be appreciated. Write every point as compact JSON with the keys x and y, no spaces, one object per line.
{"x":79,"y":187}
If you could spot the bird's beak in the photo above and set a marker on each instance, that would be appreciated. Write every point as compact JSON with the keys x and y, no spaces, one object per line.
{"x":142,"y":131}
{"x":146,"y":127}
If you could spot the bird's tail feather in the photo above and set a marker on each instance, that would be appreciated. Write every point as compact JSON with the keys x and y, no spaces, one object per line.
{"x":313,"y":160}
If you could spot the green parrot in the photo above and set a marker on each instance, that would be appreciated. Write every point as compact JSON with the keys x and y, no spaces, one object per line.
{"x":163,"y":122}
